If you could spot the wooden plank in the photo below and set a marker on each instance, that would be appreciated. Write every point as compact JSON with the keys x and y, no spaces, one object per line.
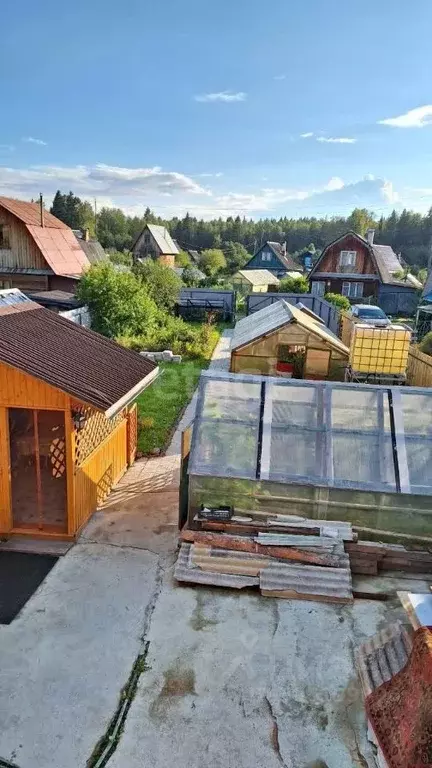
{"x":5,"y":485}
{"x":70,"y":476}
{"x":243,"y":544}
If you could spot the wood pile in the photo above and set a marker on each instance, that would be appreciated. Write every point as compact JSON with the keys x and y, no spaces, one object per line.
{"x":372,"y":558}
{"x":305,"y":561}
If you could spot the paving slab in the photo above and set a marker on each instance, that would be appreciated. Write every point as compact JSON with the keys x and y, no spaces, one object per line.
{"x":66,"y":657}
{"x":236,"y":679}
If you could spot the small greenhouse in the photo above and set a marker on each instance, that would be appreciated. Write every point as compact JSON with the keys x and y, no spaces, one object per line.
{"x":287,"y":340}
{"x":323,"y":450}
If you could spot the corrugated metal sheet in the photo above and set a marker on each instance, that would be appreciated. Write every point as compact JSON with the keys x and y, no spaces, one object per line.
{"x":60,"y":249}
{"x":270,"y":319}
{"x":163,"y":239}
{"x":261,"y":323}
{"x":258,"y":276}
{"x":382,"y":656}
{"x":307,"y":582}
{"x":30,"y":213}
{"x":76,"y":360}
{"x":184,"y":572}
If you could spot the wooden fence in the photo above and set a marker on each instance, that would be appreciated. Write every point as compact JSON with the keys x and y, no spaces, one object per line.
{"x":419,"y":370}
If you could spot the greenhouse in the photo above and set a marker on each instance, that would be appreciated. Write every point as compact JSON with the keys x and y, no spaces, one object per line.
{"x":324,"y":450}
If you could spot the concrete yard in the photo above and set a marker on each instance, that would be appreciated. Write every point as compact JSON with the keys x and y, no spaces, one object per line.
{"x":232,"y":679}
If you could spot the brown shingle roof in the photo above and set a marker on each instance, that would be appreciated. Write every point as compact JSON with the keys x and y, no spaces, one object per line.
{"x":80,"y":362}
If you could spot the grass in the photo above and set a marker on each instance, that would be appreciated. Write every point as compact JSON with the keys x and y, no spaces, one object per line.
{"x":160,"y":406}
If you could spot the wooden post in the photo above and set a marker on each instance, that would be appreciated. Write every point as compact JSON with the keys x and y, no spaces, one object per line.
{"x":5,"y":474}
{"x":38,"y":470}
{"x":70,"y":471}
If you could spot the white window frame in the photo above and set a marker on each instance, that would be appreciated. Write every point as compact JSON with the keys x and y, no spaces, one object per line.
{"x":318,"y":288}
{"x":347,"y":258}
{"x":352,"y":290}
{"x":266,"y":256}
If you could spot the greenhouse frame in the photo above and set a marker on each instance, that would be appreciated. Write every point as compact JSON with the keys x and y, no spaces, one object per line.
{"x":319,"y":449}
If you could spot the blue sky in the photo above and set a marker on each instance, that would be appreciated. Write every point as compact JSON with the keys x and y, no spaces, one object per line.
{"x":204,"y":107}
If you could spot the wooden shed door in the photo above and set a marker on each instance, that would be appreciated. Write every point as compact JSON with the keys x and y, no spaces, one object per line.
{"x":38,"y":469}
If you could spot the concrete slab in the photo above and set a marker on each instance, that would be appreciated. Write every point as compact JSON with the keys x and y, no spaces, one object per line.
{"x":66,"y":657}
{"x":239,"y":680}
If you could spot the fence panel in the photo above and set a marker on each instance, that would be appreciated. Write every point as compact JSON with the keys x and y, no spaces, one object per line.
{"x":326,"y":311}
{"x":419,"y":370}
{"x":132,"y":434}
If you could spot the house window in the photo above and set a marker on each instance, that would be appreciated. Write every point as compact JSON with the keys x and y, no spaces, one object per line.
{"x":147,"y":238}
{"x":318,"y":288}
{"x":347,"y":260}
{"x":4,"y":236}
{"x":352,"y":290}
{"x":266,"y":256}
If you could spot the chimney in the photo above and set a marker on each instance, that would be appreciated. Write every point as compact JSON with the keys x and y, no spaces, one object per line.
{"x":41,"y":210}
{"x":284,"y":248}
{"x":370,"y":234}
{"x":86,"y":235}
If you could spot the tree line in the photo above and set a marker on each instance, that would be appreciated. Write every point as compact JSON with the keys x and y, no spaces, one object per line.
{"x":408,"y":232}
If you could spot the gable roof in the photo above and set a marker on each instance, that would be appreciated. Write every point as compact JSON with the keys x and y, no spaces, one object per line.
{"x":55,"y":239}
{"x":80,"y":362}
{"x":275,"y":316}
{"x":286,"y":259}
{"x":384,"y":258}
{"x":258,"y":276}
{"x":163,"y":239}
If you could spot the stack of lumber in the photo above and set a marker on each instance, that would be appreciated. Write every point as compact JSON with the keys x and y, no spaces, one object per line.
{"x":290,"y":565}
{"x":371,"y":558}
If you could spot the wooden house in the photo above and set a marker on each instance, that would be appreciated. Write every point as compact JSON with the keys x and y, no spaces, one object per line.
{"x":273,"y":257}
{"x":68,"y":423}
{"x":38,"y":252}
{"x":255,"y":281}
{"x":155,"y":242}
{"x":363,"y":271}
{"x":284,"y":340}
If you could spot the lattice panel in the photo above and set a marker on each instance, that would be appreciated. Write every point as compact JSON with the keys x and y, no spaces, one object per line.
{"x":96,"y":428}
{"x":132,"y":433}
{"x":58,"y":457}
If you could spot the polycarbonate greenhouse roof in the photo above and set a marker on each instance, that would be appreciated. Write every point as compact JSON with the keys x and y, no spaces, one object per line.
{"x":325,"y":434}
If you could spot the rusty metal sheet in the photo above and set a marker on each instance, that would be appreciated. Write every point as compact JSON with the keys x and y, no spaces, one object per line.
{"x":184,"y":572}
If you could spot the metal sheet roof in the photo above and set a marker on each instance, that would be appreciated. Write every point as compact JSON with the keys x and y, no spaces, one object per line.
{"x":163,"y":239}
{"x":258,"y":276}
{"x":80,"y":362}
{"x":60,"y":249}
{"x":271,"y":318}
{"x":30,"y":213}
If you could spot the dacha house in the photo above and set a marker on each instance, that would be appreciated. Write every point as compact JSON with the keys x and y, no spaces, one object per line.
{"x":275,"y":258}
{"x":156,"y":243}
{"x":68,"y":423}
{"x":363,"y":271}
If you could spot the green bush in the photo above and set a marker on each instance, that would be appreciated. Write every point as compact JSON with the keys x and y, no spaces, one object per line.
{"x":161,"y":283}
{"x":426,"y":344}
{"x":291,"y":284}
{"x":191,"y":341}
{"x":339,"y":301}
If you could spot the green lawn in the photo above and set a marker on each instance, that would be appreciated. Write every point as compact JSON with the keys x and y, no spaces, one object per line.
{"x":160,"y":406}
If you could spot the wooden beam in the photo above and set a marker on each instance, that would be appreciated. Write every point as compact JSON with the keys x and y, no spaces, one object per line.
{"x":70,"y":471}
{"x":6,"y":523}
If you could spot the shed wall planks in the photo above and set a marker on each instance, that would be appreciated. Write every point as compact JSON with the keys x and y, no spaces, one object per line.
{"x":19,"y":390}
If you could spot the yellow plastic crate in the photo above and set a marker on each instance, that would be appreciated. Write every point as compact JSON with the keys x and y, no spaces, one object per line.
{"x":379,"y":350}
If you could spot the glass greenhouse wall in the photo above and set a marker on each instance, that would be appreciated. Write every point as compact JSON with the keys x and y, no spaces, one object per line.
{"x":322,"y":450}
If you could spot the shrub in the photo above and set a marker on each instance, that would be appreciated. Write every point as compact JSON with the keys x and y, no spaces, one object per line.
{"x":118,"y":302}
{"x":339,"y":301}
{"x":161,"y":283}
{"x":426,"y":344}
{"x":291,"y":284}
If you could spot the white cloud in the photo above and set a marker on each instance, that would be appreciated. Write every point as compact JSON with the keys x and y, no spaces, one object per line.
{"x":334,"y":183}
{"x":227,"y":96}
{"x":414,"y":118}
{"x":210,"y":175}
{"x":279,"y":77}
{"x":307,"y":135}
{"x":338,"y":140}
{"x":32,"y":140}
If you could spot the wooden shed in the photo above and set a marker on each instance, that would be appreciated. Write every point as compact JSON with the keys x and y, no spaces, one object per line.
{"x":255,"y":281}
{"x":284,"y":340}
{"x":68,"y":422}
